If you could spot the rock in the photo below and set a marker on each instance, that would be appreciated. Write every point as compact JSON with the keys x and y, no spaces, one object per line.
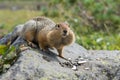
{"x":34,"y":64}
{"x":81,"y":62}
{"x":31,"y":65}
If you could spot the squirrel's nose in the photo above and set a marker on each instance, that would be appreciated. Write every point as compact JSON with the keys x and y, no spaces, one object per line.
{"x":65,"y":31}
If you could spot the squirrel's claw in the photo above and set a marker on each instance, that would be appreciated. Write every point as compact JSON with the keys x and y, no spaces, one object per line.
{"x":22,"y":47}
{"x":63,"y":57}
{"x":32,"y":45}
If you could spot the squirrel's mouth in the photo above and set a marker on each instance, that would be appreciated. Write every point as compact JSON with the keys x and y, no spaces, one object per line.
{"x":64,"y":34}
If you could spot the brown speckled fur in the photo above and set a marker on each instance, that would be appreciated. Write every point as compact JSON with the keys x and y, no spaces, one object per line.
{"x":48,"y":34}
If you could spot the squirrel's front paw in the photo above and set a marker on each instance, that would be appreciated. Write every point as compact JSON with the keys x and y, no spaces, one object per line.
{"x":32,"y":45}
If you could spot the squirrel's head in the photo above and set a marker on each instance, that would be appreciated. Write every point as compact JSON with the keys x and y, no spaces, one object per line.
{"x":63,"y":28}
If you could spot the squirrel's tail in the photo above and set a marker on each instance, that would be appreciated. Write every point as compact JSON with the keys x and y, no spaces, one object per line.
{"x":11,"y":37}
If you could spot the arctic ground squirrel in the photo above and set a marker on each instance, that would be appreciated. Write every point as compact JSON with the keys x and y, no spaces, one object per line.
{"x":48,"y":34}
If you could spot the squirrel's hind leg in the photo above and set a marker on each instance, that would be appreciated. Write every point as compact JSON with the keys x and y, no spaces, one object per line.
{"x":29,"y":36}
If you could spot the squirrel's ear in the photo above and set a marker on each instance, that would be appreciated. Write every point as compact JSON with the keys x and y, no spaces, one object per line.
{"x":66,"y":23}
{"x":57,"y":26}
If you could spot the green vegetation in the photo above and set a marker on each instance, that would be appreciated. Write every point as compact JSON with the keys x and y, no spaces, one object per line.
{"x":95,"y":22}
{"x":7,"y":57}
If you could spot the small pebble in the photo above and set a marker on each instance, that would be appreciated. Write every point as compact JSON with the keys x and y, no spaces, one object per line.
{"x":69,"y":59}
{"x":81,"y":58}
{"x":74,"y":67}
{"x":87,"y":68}
{"x":81,"y":62}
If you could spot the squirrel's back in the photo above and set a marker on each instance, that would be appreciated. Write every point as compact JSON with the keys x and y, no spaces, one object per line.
{"x":32,"y":27}
{"x":44,"y":22}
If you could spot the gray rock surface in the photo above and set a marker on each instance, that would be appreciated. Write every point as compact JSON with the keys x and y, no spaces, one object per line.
{"x":34,"y":64}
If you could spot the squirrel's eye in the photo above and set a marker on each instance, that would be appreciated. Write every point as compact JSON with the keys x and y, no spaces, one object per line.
{"x":58,"y":25}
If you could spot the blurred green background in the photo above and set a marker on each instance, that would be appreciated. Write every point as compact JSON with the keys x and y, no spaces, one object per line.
{"x":96,"y":23}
